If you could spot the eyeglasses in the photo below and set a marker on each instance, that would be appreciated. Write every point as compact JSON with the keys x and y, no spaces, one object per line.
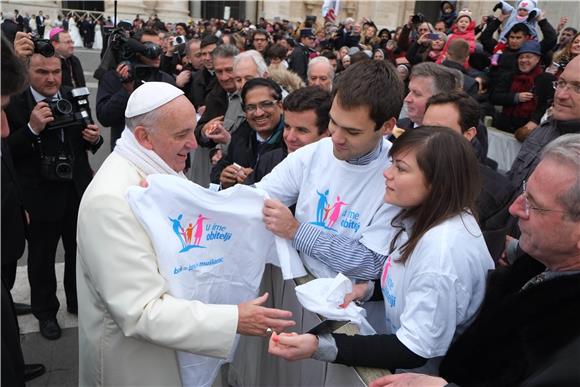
{"x":528,"y":206}
{"x":264,"y":105}
{"x":562,"y":84}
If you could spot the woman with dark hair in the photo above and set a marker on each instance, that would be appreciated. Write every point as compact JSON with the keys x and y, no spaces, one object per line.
{"x":433,"y":280}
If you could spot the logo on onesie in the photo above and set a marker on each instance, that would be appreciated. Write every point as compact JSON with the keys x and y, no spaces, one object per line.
{"x":331,"y":216}
{"x":197,"y":233}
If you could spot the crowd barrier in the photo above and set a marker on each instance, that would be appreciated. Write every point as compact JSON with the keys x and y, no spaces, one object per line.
{"x":253,"y":366}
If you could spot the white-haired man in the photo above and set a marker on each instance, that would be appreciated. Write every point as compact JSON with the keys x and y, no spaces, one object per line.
{"x":130,"y":327}
{"x":320,"y":73}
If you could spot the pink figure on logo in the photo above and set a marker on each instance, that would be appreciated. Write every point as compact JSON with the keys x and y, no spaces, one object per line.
{"x":199,"y":229}
{"x":335,"y":211}
{"x":385,"y":272}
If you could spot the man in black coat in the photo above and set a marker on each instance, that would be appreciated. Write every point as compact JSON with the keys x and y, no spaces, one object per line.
{"x":40,"y":24}
{"x":9,"y":27}
{"x":260,"y":133}
{"x":116,"y":86}
{"x":14,"y":371}
{"x":460,"y":112}
{"x":527,"y":331}
{"x":203,"y":80}
{"x":72,"y":70}
{"x":52,"y":163}
{"x":301,"y":55}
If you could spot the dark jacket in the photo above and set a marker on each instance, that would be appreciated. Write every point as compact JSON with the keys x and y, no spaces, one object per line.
{"x":245,"y":150}
{"x":267,"y":162}
{"x":46,"y":200}
{"x":501,"y":95}
{"x":298,"y":61}
{"x":72,"y":70}
{"x":529,"y":155}
{"x":9,"y":30}
{"x":13,"y":218}
{"x":518,"y":333}
{"x":470,"y":86}
{"x":202,"y":83}
{"x":112,"y":101}
{"x":216,"y":104}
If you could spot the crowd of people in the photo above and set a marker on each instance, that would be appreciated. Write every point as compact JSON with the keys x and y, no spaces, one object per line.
{"x":372,"y":148}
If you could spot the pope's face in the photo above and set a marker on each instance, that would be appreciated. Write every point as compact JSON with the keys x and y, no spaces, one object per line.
{"x":174,"y":135}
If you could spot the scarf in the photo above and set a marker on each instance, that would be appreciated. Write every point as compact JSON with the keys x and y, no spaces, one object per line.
{"x":522,"y":83}
{"x":146,"y":160}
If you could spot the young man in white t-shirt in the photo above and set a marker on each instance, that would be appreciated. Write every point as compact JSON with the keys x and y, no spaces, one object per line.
{"x":337,"y":184}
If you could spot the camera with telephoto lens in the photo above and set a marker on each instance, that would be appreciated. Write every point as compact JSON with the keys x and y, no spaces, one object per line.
{"x":43,"y":47}
{"x":56,"y":168}
{"x":72,"y":112}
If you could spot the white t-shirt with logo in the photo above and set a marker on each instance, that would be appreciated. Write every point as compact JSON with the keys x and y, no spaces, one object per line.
{"x":434,"y":295}
{"x":335,"y":196}
{"x":211,"y":247}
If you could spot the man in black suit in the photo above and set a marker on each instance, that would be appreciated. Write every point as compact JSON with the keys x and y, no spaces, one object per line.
{"x":72,"y":70}
{"x":14,"y":371}
{"x":40,"y":24}
{"x":52,"y":163}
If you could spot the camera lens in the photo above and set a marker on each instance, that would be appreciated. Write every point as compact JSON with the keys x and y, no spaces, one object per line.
{"x":43,"y":47}
{"x":63,"y":106}
{"x":63,"y":170}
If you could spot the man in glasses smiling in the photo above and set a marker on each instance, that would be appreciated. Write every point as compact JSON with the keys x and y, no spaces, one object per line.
{"x":260,"y":133}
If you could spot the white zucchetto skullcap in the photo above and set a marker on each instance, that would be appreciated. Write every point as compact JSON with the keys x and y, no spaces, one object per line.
{"x":149,"y":96}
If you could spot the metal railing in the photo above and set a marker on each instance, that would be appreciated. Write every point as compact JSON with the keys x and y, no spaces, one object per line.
{"x":80,"y":13}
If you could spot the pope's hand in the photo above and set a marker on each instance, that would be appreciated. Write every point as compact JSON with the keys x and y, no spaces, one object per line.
{"x":254,"y":319}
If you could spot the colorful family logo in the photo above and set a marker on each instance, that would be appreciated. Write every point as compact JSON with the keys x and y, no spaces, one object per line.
{"x":191,"y":237}
{"x":330,"y":215}
{"x":186,"y":235}
{"x":387,"y":285}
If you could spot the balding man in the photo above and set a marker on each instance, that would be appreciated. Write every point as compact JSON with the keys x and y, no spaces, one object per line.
{"x":51,"y":159}
{"x":320,"y":73}
{"x":130,"y":327}
{"x":527,"y":332}
{"x":565,"y":119}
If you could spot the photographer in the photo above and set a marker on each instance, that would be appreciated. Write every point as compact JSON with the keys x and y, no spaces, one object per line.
{"x":116,"y":85}
{"x":49,"y":145}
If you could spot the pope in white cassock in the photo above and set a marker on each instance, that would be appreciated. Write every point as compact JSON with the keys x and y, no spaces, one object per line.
{"x":129,"y":326}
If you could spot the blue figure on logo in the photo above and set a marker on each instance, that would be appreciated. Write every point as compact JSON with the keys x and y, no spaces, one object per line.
{"x":322,"y":203}
{"x":178,"y":229}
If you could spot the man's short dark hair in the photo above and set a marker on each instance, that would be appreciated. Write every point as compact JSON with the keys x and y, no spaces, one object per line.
{"x":262,"y":82}
{"x":260,"y":32}
{"x":311,"y":98}
{"x":572,"y":29}
{"x":208,"y":41}
{"x":372,"y":83}
{"x":519,"y":27}
{"x":277,"y":51}
{"x":468,"y":108}
{"x":13,"y":70}
{"x":138,"y":35}
{"x":358,"y":57}
{"x":329,"y":54}
{"x":183,"y":25}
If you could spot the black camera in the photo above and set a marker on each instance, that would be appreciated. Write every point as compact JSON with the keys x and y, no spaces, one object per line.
{"x":123,"y":49}
{"x":417,"y":18}
{"x":43,"y":47}
{"x":71,"y":112}
{"x":56,"y":168}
